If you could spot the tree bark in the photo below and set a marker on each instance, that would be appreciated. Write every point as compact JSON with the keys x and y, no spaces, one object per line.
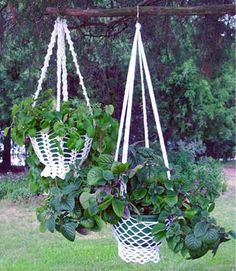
{"x":5,"y":166}
{"x":145,"y":10}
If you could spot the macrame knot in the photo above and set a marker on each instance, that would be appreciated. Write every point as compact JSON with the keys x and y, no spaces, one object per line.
{"x":138,"y":26}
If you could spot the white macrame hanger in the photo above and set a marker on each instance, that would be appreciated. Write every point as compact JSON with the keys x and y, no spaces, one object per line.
{"x":59,"y":35}
{"x":128,"y":98}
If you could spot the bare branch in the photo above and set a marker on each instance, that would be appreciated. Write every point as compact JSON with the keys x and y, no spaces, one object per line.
{"x":147,"y":10}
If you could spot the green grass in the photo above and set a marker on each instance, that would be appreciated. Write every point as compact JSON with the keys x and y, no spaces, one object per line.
{"x":24,"y":248}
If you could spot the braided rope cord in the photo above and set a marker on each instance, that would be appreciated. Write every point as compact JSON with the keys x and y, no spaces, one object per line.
{"x":45,"y":144}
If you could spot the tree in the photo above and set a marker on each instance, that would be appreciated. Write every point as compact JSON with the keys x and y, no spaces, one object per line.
{"x":190,"y":60}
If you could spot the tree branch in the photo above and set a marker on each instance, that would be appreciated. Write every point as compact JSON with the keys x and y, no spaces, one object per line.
{"x":147,"y":10}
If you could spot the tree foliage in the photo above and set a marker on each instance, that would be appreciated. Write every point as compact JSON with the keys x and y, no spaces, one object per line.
{"x":190,"y":58}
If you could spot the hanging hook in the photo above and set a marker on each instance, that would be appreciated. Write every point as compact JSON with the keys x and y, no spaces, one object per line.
{"x":60,"y":9}
{"x":137,"y":16}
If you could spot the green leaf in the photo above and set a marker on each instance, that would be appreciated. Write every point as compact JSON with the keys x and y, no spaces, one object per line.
{"x":200,"y":229}
{"x":87,"y":223}
{"x":178,"y":247}
{"x":95,"y":176}
{"x":159,"y":236}
{"x":68,"y":204}
{"x":108,"y":175}
{"x":118,"y":168}
{"x":139,"y":194}
{"x":190,"y":213}
{"x":93,"y":207}
{"x":14,"y":110}
{"x":6,"y":130}
{"x":163,"y":216}
{"x":211,"y":207}
{"x":68,"y":230}
{"x":90,"y":130}
{"x":59,"y":129}
{"x":105,"y":161}
{"x":192,"y":242}
{"x":32,"y":132}
{"x":110,"y":217}
{"x":232,"y":233}
{"x":106,"y":203}
{"x":210,"y":237}
{"x":71,"y":143}
{"x":79,"y":144}
{"x":168,"y":184}
{"x":100,"y":223}
{"x":171,"y":200}
{"x":109,"y":109}
{"x":118,"y":207}
{"x":159,"y":189}
{"x":84,"y":199}
{"x":135,"y":170}
{"x":184,"y":251}
{"x":50,"y":224}
{"x":42,"y":227}
{"x":158,"y":228}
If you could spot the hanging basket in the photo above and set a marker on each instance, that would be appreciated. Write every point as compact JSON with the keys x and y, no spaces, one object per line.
{"x":135,"y":241}
{"x":57,"y":161}
{"x":52,"y":150}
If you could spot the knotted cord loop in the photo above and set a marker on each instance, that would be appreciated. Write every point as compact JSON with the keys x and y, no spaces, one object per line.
{"x":128,"y":99}
{"x":59,"y":34}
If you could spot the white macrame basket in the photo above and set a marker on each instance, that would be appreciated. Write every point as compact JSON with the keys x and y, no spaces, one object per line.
{"x":57,"y":159}
{"x":135,"y":242}
{"x":56,"y":164}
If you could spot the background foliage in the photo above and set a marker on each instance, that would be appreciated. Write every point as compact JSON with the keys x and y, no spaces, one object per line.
{"x":191,"y":61}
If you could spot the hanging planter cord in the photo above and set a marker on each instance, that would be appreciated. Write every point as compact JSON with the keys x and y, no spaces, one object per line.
{"x":57,"y":165}
{"x":135,"y":243}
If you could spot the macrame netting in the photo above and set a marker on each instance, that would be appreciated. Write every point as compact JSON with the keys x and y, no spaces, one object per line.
{"x":52,"y":150}
{"x":135,"y":242}
{"x":56,"y":164}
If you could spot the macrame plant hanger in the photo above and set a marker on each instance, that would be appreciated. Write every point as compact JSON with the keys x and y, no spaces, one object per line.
{"x":45,"y":144}
{"x":135,"y":242}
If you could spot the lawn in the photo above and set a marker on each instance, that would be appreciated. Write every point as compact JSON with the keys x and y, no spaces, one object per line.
{"x":24,"y":248}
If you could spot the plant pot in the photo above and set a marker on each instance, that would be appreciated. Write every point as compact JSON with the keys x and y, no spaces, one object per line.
{"x":57,"y":159}
{"x":135,"y":241}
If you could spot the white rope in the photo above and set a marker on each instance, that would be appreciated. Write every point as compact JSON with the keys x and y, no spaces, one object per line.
{"x":130,"y":101}
{"x":154,"y":107}
{"x":128,"y":98}
{"x":60,"y":31}
{"x":59,"y":62}
{"x":131,"y":70}
{"x":74,"y":56}
{"x":46,"y":62}
{"x":145,"y":122}
{"x":64,"y":69}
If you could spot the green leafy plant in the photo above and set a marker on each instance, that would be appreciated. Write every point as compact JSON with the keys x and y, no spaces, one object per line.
{"x":73,"y":120}
{"x":182,"y":204}
{"x":85,"y":202}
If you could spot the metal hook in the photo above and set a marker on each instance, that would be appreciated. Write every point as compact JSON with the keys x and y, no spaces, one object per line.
{"x":137,"y":13}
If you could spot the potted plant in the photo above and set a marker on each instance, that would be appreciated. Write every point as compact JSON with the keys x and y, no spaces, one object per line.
{"x":59,"y":138}
{"x":152,"y":210}
{"x":178,"y":208}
